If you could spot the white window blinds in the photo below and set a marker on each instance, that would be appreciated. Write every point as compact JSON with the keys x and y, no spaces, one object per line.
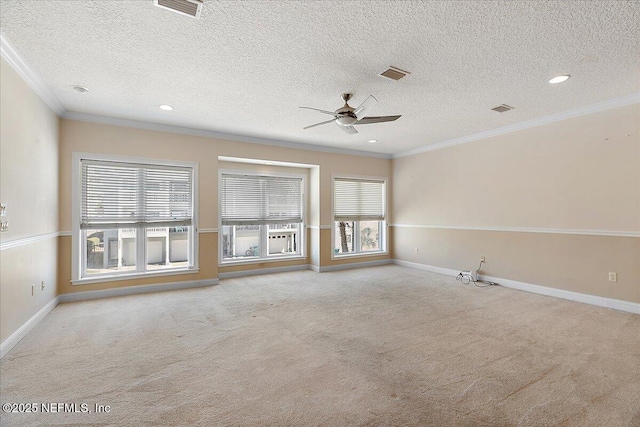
{"x":253,"y":199}
{"x":125,"y":195}
{"x":358,"y":199}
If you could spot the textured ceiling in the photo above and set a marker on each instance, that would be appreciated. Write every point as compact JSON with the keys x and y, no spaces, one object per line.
{"x":246,"y":66}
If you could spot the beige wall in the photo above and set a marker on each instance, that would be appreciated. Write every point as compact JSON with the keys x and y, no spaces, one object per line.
{"x":580,"y":175}
{"x":28,"y":186}
{"x":76,"y":136}
{"x":260,"y":265}
{"x":314,"y":217}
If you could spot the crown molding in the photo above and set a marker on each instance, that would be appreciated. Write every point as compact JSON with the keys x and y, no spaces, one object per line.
{"x":634,"y":98}
{"x":91,"y":118}
{"x":33,"y":80}
{"x":10,"y":54}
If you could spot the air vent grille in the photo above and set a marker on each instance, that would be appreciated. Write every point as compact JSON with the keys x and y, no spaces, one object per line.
{"x":184,"y":7}
{"x":393,"y":73}
{"x":502,"y":108}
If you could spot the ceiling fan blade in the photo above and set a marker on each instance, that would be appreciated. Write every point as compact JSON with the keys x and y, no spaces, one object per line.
{"x":365,"y":107}
{"x":321,"y":123}
{"x":349,"y":129}
{"x":376,"y":119}
{"x":322,"y":111}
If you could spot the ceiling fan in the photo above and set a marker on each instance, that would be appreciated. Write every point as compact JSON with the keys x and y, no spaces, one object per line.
{"x":346,"y":117}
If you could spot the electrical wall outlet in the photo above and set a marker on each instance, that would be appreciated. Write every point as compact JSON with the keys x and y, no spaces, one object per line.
{"x":415,"y":250}
{"x":613,"y":277}
{"x":4,"y":224}
{"x":482,"y":259}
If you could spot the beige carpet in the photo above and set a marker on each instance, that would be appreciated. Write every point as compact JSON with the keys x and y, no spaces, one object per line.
{"x":386,"y":346}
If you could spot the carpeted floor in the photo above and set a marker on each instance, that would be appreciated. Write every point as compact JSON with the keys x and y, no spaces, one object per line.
{"x":386,"y":346}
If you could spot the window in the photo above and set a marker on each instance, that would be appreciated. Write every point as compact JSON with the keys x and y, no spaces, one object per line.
{"x":359,"y":216}
{"x":134,"y":218}
{"x":261,"y":216}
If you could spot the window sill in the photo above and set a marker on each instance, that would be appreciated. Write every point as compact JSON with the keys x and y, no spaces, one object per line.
{"x":128,"y":276}
{"x":335,"y":256}
{"x":261,"y":260}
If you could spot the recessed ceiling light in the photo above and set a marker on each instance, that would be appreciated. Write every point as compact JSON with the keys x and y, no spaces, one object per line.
{"x":166,"y":107}
{"x":559,"y":79}
{"x":373,"y":141}
{"x":81,"y":89}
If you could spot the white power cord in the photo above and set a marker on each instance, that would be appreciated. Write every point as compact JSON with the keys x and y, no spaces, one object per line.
{"x":467,"y":277}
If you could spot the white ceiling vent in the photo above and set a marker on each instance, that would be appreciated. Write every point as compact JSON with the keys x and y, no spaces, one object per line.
{"x":502,"y":108}
{"x":393,"y":73}
{"x":184,"y":7}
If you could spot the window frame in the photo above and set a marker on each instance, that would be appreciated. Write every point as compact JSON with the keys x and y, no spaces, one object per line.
{"x":383,"y":230}
{"x":263,"y":230}
{"x":78,"y":245}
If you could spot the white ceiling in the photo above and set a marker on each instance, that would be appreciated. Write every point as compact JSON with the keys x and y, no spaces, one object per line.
{"x":245,"y":67}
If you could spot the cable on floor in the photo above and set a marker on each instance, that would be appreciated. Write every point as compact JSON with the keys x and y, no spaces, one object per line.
{"x":465,"y":277}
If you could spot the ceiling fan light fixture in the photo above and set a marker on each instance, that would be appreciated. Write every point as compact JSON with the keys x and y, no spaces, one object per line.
{"x":346,"y":120}
{"x":559,"y":79}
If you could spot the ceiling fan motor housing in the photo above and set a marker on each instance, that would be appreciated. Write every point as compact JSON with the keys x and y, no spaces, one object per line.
{"x":347,"y":116}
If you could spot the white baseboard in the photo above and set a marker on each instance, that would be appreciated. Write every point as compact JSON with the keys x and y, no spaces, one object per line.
{"x":10,"y":342}
{"x":350,"y":265}
{"x":303,"y":267}
{"x":258,"y":271}
{"x":15,"y":338}
{"x":628,"y":306}
{"x":131,"y":290}
{"x":431,"y":268}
